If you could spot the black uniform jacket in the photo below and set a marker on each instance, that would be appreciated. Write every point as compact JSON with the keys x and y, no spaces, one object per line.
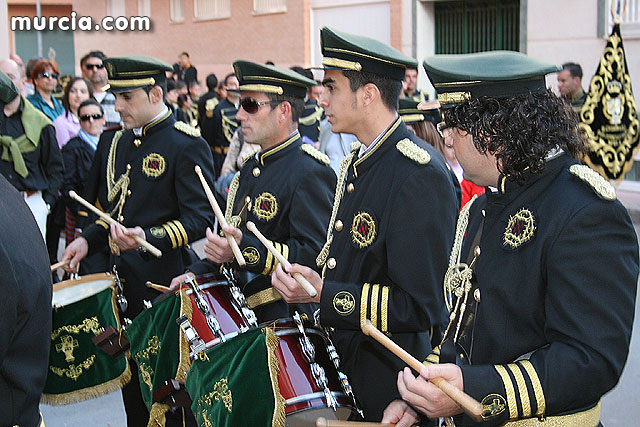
{"x":390,"y":243}
{"x":309,"y":123}
{"x":290,"y":191}
{"x":557,"y":281}
{"x":25,"y":304}
{"x":164,"y":197}
{"x":44,"y":164}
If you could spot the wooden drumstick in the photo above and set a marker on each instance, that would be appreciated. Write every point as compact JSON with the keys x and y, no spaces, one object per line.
{"x":148,"y":246}
{"x":223,"y":222}
{"x":60,"y":264}
{"x":471,"y":406}
{"x":308,"y":287}
{"x":157,"y":287}
{"x":323,"y":422}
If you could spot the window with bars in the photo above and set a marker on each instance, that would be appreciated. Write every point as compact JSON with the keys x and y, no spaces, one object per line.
{"x":177,"y":10}
{"x":144,"y":7}
{"x":629,"y":19}
{"x":468,"y":26}
{"x":116,"y":8}
{"x":262,"y":7}
{"x":212,"y":9}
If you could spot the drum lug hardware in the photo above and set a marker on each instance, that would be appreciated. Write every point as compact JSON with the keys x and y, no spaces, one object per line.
{"x":195,"y":342}
{"x":251,"y":316}
{"x":346,"y":387}
{"x":322,"y":382}
{"x":126,"y":322}
{"x":120,"y":298}
{"x":202,"y":305}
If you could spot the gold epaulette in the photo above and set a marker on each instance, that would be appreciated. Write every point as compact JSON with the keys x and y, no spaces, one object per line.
{"x":188,"y":129}
{"x":600,"y":186}
{"x":311,"y":118}
{"x":355,"y":146}
{"x":412,"y":151}
{"x":321,"y":157}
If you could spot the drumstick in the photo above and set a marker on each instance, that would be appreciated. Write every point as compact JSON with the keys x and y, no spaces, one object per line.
{"x":471,"y":406}
{"x":157,"y":287}
{"x":57,"y":265}
{"x":148,"y":246}
{"x":323,"y":422}
{"x":216,"y":209}
{"x":308,"y":287}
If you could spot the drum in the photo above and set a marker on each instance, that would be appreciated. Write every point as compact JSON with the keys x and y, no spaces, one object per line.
{"x":82,"y":309}
{"x":227,"y":314}
{"x":308,"y":379}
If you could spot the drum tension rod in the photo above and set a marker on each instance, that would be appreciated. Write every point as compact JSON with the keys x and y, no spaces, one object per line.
{"x":202,"y":305}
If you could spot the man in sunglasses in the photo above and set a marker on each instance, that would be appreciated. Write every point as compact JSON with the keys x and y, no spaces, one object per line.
{"x":153,"y":191}
{"x":286,"y":188}
{"x":541,"y":330}
{"x":392,"y":225}
{"x":93,"y":70}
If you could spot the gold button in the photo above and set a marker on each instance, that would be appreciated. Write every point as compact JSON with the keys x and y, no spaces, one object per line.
{"x":331,"y":263}
{"x":120,"y":218}
{"x":137,"y":142}
{"x":256,"y":172}
{"x":350,"y":187}
{"x":128,"y":193}
{"x":461,"y":356}
{"x":483,"y":212}
{"x":338,"y":225}
{"x":476,"y":295}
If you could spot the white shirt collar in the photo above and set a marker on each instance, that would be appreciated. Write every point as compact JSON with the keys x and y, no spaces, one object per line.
{"x":138,"y":131}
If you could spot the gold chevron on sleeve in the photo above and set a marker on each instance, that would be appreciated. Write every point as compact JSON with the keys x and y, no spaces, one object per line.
{"x":267,"y":264}
{"x":171,"y":235}
{"x":183,"y":232}
{"x":384,"y":310}
{"x":375,"y":291}
{"x":102,"y":223}
{"x":509,"y":390}
{"x":364,"y":303}
{"x":176,"y":232}
{"x":522,"y":390}
{"x":537,"y":386}
{"x":285,"y":251}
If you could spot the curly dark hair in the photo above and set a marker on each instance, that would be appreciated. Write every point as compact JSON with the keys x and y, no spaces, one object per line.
{"x":520,"y":131}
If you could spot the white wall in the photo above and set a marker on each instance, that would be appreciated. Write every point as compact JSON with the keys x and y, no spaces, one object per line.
{"x":4,"y":34}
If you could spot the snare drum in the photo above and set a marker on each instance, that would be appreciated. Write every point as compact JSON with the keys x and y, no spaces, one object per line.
{"x":78,"y":370}
{"x":226,"y":305}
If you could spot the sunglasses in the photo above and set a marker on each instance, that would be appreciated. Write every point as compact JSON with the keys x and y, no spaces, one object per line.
{"x":87,"y":117}
{"x":48,"y":75}
{"x":252,"y":106}
{"x":92,"y":66}
{"x":442,"y":126}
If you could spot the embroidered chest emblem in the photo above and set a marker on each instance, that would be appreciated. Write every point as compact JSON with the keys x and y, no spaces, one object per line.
{"x":265,"y":206}
{"x":153,"y":165}
{"x":363,"y":229}
{"x":520,"y":229}
{"x":344,"y":303}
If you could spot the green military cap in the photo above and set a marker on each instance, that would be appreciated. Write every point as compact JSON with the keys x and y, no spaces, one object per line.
{"x":271,"y":79}
{"x":496,"y":74}
{"x":413,"y":111}
{"x":8,"y":89}
{"x":127,"y":73}
{"x":343,"y":51}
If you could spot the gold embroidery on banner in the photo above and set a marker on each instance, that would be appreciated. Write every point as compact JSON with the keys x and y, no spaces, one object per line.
{"x":344,"y":303}
{"x":492,"y":406}
{"x":375,"y":291}
{"x":66,"y":346}
{"x":537,"y":387}
{"x":600,"y":186}
{"x":273,"y":342}
{"x":147,"y":374}
{"x":88,"y":325}
{"x":153,"y":165}
{"x":265,"y":206}
{"x":509,"y":390}
{"x":74,"y":371}
{"x":384,"y":310}
{"x":412,"y":151}
{"x":158,"y":232}
{"x":522,"y":390}
{"x":364,"y":303}
{"x":363,"y":229}
{"x":251,"y":255}
{"x":520,"y":228}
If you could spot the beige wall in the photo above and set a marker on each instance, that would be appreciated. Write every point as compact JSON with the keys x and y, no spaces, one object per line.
{"x":4,"y":35}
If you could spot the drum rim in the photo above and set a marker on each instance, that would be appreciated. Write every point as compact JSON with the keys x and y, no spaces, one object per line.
{"x":315,"y":396}
{"x":83,"y":279}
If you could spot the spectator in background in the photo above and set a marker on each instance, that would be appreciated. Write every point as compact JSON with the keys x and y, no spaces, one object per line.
{"x":186,"y":71}
{"x":570,"y":85}
{"x":28,"y":88}
{"x":172,"y":94}
{"x":45,"y":78}
{"x":224,"y":121}
{"x":78,"y":155}
{"x":316,"y":92}
{"x":410,"y":85}
{"x":334,"y":145}
{"x":194,"y":91}
{"x":181,"y":87}
{"x":93,"y":70}
{"x":67,"y":125}
{"x":312,"y":115}
{"x":207,"y":102}
{"x":185,"y":112}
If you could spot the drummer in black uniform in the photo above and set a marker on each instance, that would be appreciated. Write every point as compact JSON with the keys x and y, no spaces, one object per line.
{"x":554,"y":278}
{"x":152,"y":189}
{"x":392,"y":224}
{"x":286,"y":188}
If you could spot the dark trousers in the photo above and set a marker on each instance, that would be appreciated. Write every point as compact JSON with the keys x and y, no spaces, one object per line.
{"x":137,"y":412}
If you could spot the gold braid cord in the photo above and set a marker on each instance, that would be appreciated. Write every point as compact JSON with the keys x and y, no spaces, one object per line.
{"x":342,"y":176}
{"x":120,"y":187}
{"x":231,"y":198}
